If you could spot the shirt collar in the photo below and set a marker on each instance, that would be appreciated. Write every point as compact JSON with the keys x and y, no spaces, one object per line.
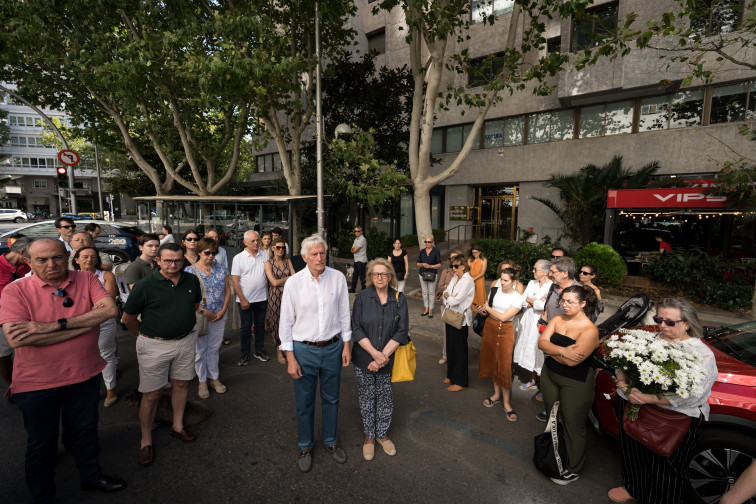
{"x":41,"y":283}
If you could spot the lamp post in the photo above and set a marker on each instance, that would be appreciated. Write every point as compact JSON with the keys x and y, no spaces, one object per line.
{"x":319,"y":124}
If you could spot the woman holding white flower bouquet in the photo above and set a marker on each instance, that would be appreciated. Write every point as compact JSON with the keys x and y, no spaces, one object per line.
{"x":567,"y":375}
{"x":679,"y":366}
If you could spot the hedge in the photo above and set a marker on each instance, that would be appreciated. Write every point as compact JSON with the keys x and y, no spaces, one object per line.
{"x":610,"y":265}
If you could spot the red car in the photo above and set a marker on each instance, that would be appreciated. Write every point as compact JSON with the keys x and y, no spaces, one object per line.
{"x":727,"y":443}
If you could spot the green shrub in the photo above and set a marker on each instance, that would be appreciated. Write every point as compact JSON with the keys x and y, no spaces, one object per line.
{"x":344,"y":238}
{"x":378,"y":243}
{"x":705,"y":279}
{"x":610,"y":265}
{"x":409,"y":240}
{"x":439,"y":235}
{"x":523,"y":254}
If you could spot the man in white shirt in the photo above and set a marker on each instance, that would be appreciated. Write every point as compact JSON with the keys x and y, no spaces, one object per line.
{"x":251,"y":287}
{"x":315,"y":329}
{"x":65,"y":227}
{"x":359,"y":249}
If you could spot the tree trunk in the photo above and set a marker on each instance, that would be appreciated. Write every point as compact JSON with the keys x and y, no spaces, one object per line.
{"x":422,"y":213}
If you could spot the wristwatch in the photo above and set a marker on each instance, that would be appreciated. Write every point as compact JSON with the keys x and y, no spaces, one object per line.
{"x":62,"y":323}
{"x":201,"y":310}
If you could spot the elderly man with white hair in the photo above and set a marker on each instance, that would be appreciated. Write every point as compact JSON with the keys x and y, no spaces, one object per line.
{"x":315,"y":329}
{"x":251,"y":287}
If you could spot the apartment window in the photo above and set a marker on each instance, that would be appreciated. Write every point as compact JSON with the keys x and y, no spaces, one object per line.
{"x":26,"y":162}
{"x":268,"y":162}
{"x":606,"y":119}
{"x":40,"y":184}
{"x":493,"y":134}
{"x":654,"y":113}
{"x":484,"y":70}
{"x":483,"y":9}
{"x":551,"y":126}
{"x":686,"y":109}
{"x":15,"y":120}
{"x":437,"y":141}
{"x":513,"y":130}
{"x":454,"y":138}
{"x":23,"y":141}
{"x":731,"y":103}
{"x":467,"y":129}
{"x":554,"y":45}
{"x":377,"y":41}
{"x":715,"y":17}
{"x":589,"y":29}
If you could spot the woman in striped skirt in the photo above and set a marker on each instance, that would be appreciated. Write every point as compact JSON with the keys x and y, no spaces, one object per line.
{"x":649,"y":477}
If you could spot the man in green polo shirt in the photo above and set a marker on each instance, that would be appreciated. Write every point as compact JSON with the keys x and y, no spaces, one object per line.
{"x":166,"y":342}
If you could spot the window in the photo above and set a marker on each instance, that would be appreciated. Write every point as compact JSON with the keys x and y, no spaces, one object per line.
{"x":467,"y":128}
{"x":26,"y":162}
{"x":377,"y":41}
{"x":606,"y":119}
{"x":554,"y":45}
{"x":437,"y":141}
{"x":482,"y":9}
{"x":551,"y":126}
{"x":40,"y":184}
{"x":654,"y":113}
{"x":589,"y":29}
{"x":454,"y":138}
{"x":22,"y":141}
{"x":268,"y":162}
{"x":686,"y":109}
{"x":484,"y":70}
{"x":715,"y":17}
{"x":730,"y":103}
{"x":513,"y":130}
{"x":493,"y":134}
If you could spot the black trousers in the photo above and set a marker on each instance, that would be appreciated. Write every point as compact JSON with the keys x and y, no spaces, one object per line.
{"x":359,"y":270}
{"x":456,"y":355}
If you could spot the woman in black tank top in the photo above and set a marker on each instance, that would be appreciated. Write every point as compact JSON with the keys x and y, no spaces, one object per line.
{"x":567,"y":377}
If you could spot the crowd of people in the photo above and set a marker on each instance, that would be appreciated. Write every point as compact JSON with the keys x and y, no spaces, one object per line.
{"x":58,"y":297}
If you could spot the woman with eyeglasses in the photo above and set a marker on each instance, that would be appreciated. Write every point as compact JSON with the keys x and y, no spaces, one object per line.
{"x":478,"y":266}
{"x":189,"y":240}
{"x":214,"y":307}
{"x":88,"y":259}
{"x":457,"y":297}
{"x":380,"y":323}
{"x":567,"y":375}
{"x":429,"y":261}
{"x":649,"y":477}
{"x":278,"y":269}
{"x":498,"y":339}
{"x":443,"y":282}
{"x":526,"y":352}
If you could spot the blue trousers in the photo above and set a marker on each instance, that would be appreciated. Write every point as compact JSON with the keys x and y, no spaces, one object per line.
{"x":42,"y":415}
{"x":323,"y":363}
{"x":254,"y":315}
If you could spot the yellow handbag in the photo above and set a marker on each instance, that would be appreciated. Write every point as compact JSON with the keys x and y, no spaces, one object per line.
{"x":404,"y":362}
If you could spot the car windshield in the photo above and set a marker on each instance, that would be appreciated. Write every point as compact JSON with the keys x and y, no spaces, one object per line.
{"x":738,"y":341}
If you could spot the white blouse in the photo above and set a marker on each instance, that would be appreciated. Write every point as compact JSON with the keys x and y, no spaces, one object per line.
{"x":461,"y":293}
{"x":502,"y":302}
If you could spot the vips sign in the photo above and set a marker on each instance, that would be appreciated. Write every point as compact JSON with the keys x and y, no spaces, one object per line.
{"x":687,"y":197}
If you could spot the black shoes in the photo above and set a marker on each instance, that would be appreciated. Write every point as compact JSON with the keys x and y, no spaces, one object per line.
{"x":305,"y":460}
{"x":107,"y":484}
{"x":262,"y":355}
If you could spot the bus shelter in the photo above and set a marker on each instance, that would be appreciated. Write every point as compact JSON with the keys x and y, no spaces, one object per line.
{"x":231,"y":216}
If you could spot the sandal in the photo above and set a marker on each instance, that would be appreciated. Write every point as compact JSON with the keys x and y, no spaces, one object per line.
{"x":511,"y":415}
{"x":530,"y":385}
{"x":447,"y":380}
{"x":490,"y":401}
{"x":203,"y":392}
{"x":226,"y":341}
{"x":218,"y":386}
{"x":455,"y":388}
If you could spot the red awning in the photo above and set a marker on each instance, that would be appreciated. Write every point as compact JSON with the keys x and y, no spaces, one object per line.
{"x":679,"y":197}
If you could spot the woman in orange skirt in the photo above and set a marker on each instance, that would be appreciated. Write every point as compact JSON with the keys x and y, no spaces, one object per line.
{"x":498,"y":338}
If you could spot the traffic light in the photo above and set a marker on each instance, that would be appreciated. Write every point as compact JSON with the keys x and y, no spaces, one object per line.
{"x":63,"y":177}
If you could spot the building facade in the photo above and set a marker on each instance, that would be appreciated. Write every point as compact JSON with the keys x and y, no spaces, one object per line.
{"x":28,"y":167}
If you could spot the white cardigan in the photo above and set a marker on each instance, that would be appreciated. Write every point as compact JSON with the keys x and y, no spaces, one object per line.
{"x":461,"y":293}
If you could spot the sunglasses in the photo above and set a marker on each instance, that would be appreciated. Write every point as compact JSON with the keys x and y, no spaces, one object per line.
{"x":279,"y":247}
{"x":667,"y":322}
{"x":67,"y":301}
{"x":191,"y":239}
{"x":72,"y":226}
{"x":585,"y":272}
{"x":426,"y":241}
{"x":210,"y":252}
{"x":455,"y":266}
{"x":554,"y":257}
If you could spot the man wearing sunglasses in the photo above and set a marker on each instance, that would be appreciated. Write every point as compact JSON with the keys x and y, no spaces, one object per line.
{"x":65,"y":227}
{"x":168,"y":301}
{"x":359,"y":249}
{"x":52,"y":319}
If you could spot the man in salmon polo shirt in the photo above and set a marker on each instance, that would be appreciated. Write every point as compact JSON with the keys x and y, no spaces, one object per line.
{"x":52,"y":319}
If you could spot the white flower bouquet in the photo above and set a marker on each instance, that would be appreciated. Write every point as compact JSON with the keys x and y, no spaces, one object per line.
{"x":654,"y":365}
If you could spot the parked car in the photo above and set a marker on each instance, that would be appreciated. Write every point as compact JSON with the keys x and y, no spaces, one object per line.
{"x":726,"y":445}
{"x":13,"y":214}
{"x":117,"y":240}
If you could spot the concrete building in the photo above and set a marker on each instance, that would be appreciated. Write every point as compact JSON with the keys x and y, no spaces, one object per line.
{"x":615,"y":107}
{"x":28,"y":173}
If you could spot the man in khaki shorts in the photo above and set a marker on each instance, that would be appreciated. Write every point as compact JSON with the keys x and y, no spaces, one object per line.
{"x":167,"y":301}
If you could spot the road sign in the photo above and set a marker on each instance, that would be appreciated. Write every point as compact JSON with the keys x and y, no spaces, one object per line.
{"x":69,"y":157}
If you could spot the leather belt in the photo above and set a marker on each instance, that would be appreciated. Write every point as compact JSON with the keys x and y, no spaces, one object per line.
{"x":167,"y":339}
{"x":322,"y":343}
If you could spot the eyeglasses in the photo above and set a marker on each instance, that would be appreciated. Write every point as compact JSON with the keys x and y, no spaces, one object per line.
{"x":279,"y":247}
{"x":568,"y":302}
{"x":189,"y":238}
{"x":72,"y":226}
{"x":171,"y":261}
{"x":67,"y":301}
{"x":427,"y":241}
{"x":585,"y":272}
{"x":380,"y":275}
{"x":210,"y":252}
{"x":357,"y":231}
{"x":667,"y":322}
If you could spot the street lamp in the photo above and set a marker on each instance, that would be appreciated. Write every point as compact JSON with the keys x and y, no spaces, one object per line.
{"x":343,"y":129}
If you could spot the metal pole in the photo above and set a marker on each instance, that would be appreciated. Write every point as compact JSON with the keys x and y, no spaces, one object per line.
{"x":99,"y":179}
{"x":62,"y":141}
{"x":319,"y":123}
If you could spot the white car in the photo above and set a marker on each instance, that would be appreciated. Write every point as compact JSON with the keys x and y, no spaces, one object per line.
{"x":12,"y":214}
